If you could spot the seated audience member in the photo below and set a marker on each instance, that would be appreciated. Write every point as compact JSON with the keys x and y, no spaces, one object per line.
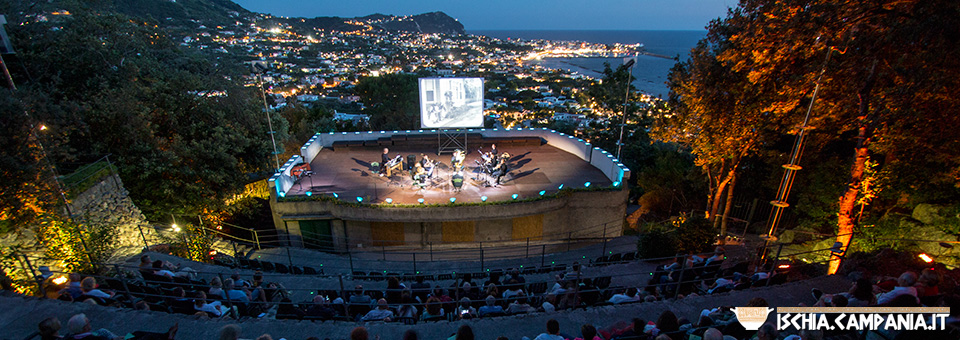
{"x":490,"y":307}
{"x":50,"y":329}
{"x":359,"y":333}
{"x":464,"y":333}
{"x":216,"y":288}
{"x":80,"y":328}
{"x":549,"y":303}
{"x":230,"y":332}
{"x":905,"y":286}
{"x":89,"y":287}
{"x":420,"y":289}
{"x":287,"y":309}
{"x":465,"y":311}
{"x":520,"y":306}
{"x":381,"y":313}
{"x":74,"y":287}
{"x":234,"y":294}
{"x":321,"y":309}
{"x":515,"y":275}
{"x":768,"y":331}
{"x":629,"y":296}
{"x":408,"y":307}
{"x":588,"y":332}
{"x":146,"y":265}
{"x":491,"y":289}
{"x":167,"y":269}
{"x":553,"y":331}
{"x":513,"y":289}
{"x":718,"y":255}
{"x":667,"y":322}
{"x":712,"y":334}
{"x":719,"y":284}
{"x":574,"y":273}
{"x":359,"y":298}
{"x":558,"y":287}
{"x":432,"y":308}
{"x":928,"y":283}
{"x":239,"y":282}
{"x":215,"y":308}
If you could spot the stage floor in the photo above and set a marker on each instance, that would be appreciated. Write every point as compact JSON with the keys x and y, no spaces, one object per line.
{"x":532,"y":169}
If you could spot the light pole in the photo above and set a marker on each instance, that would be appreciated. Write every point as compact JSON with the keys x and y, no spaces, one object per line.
{"x":259,"y":70}
{"x":626,"y":97}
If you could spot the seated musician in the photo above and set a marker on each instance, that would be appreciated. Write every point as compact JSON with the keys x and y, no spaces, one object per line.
{"x":493,"y":151}
{"x":501,"y":169}
{"x":457,"y":160}
{"x":427,"y":164}
{"x":419,"y":174}
{"x":384,"y":159}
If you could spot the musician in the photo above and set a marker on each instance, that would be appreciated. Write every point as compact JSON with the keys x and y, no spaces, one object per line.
{"x":427,"y":165}
{"x":493,"y":151}
{"x":384,"y":158}
{"x":500,"y":169}
{"x":419,"y":174}
{"x":457,"y":160}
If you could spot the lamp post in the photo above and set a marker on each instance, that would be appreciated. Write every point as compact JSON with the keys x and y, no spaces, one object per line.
{"x":260,"y":69}
{"x":626,"y":97}
{"x":56,"y":180}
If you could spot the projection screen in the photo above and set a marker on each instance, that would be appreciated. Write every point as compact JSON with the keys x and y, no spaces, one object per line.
{"x":451,"y":103}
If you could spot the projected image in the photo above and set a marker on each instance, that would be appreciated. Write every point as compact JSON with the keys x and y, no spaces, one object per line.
{"x":451,"y":102}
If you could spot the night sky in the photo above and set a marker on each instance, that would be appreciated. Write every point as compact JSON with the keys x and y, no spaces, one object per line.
{"x":521,"y":14}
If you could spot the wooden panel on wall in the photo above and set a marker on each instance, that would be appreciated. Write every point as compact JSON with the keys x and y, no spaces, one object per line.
{"x":528,"y":226}
{"x":458,"y":231}
{"x":386,"y":233}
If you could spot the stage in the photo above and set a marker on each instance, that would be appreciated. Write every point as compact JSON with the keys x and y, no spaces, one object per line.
{"x":347,"y":172}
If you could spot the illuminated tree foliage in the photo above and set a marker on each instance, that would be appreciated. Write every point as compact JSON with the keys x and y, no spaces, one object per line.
{"x":888,"y":91}
{"x":76,"y":245}
{"x":183,"y":134}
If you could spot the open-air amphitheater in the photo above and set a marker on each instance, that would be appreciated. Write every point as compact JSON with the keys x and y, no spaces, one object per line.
{"x":546,"y":244}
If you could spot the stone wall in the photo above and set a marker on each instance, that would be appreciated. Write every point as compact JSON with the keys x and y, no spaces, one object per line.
{"x":108,"y":202}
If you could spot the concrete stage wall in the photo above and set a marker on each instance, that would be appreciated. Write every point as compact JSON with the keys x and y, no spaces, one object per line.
{"x":575,"y":214}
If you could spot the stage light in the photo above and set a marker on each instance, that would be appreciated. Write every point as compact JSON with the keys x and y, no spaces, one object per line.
{"x":420,"y":200}
{"x":483,"y":198}
{"x":515,"y":196}
{"x":60,"y":280}
{"x":389,"y":201}
{"x":335,"y":195}
{"x":453,"y":199}
{"x":542,"y":192}
{"x":282,"y":194}
{"x":176,"y":228}
{"x":616,"y":184}
{"x":784,"y":266}
{"x":926,"y":258}
{"x":359,"y":199}
{"x":309,"y":193}
{"x":560,"y":187}
{"x":586,"y":185}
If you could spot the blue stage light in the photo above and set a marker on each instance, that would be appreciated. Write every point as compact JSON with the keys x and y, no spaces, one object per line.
{"x":515,"y":196}
{"x":335,"y":195}
{"x":586,"y":185}
{"x":359,"y":199}
{"x":616,"y":184}
{"x":542,"y":192}
{"x":420,"y":200}
{"x":389,"y":200}
{"x":453,"y":199}
{"x":309,"y":193}
{"x":561,"y":187}
{"x":483,"y":198}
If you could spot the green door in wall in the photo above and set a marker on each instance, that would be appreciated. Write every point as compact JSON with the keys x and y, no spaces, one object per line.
{"x":316,"y":234}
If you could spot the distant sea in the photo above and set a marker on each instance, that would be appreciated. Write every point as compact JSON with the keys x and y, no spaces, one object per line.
{"x":651,"y":72}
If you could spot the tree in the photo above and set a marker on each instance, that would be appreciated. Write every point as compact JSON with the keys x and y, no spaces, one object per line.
{"x":719,"y":114}
{"x":887,"y":87}
{"x":391,"y":100}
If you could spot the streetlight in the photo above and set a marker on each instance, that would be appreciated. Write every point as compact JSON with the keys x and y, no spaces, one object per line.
{"x":629,"y":65}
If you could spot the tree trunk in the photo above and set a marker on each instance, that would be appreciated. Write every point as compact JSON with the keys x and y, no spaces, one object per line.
{"x":848,"y":201}
{"x":726,"y":209}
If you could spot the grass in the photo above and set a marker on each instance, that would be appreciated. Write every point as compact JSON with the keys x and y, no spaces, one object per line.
{"x":86,"y":177}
